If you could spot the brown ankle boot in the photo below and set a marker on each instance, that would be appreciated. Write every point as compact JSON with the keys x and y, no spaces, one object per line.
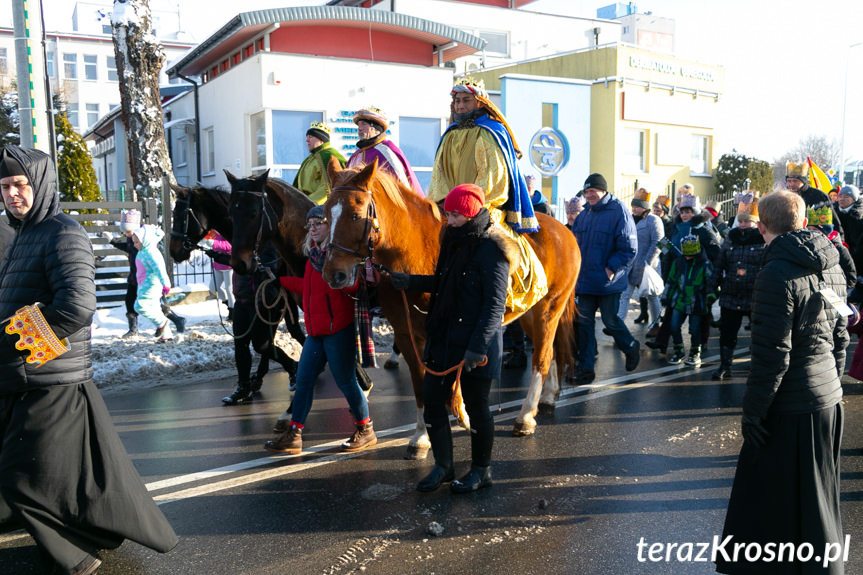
{"x":291,"y":441}
{"x":363,"y":437}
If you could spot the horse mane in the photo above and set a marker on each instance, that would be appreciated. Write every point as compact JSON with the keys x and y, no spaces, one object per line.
{"x":398,"y":193}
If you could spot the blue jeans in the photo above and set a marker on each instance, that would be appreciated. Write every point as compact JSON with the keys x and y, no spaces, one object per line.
{"x":608,"y":306}
{"x":339,"y":349}
{"x":677,"y":319}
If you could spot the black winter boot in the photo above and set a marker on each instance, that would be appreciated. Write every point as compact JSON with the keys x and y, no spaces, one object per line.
{"x":643,"y":317}
{"x":133,"y":326}
{"x":443,"y":471}
{"x":243,"y":394}
{"x":726,"y":356}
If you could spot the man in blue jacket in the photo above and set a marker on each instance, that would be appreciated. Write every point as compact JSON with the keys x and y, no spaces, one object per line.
{"x":607,"y":238}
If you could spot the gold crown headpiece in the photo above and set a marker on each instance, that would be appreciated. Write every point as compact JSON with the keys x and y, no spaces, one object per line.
{"x":467,"y":84}
{"x":373,"y":114}
{"x":321,"y":126}
{"x":642,"y":194}
{"x":800,"y":170}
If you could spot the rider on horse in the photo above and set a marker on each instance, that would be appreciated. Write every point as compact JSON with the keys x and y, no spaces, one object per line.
{"x":372,"y":127}
{"x":312,"y":176}
{"x":479,"y":148}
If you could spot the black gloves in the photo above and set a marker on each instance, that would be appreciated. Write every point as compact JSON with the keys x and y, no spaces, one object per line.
{"x":400,"y":280}
{"x":754,"y":432}
{"x":471,"y":359}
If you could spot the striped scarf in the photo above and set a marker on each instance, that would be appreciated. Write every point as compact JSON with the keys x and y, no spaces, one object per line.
{"x":363,"y":326}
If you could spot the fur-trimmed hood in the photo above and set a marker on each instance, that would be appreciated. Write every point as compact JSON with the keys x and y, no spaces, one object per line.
{"x":507,"y":245}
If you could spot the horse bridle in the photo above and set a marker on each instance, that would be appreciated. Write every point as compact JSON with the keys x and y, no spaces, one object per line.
{"x":264,"y":214}
{"x":188,"y":243}
{"x":371,"y":227}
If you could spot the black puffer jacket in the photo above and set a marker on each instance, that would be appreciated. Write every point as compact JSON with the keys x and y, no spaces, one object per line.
{"x":737,"y":267}
{"x":852,"y":224}
{"x":50,"y":261}
{"x":798,"y":338}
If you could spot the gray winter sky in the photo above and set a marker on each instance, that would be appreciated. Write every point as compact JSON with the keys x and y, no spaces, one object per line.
{"x":786,"y":61}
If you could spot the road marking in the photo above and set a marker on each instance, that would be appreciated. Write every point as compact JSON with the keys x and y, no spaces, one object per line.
{"x":584,"y":393}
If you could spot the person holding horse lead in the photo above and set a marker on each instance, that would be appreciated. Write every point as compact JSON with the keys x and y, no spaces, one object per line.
{"x":312,"y":178}
{"x":259,"y":330}
{"x":372,"y":126}
{"x":464,"y":323}
{"x":329,"y":315}
{"x":478,"y":148}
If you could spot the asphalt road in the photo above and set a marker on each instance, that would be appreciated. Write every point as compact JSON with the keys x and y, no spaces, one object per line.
{"x":645,"y":455}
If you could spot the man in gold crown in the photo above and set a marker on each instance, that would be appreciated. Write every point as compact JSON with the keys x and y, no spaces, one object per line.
{"x":797,"y":181}
{"x":64,"y":474}
{"x":312,"y":176}
{"x":479,"y":148}
{"x":372,"y":126}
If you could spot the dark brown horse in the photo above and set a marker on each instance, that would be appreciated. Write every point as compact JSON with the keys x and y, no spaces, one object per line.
{"x":262,"y":209}
{"x":373,"y":215}
{"x":197,"y":211}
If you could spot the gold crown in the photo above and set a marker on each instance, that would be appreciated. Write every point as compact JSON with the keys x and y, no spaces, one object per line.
{"x":320,"y":126}
{"x":822,"y":216}
{"x":749,"y":209}
{"x":664,"y":200}
{"x":471,"y":86}
{"x":642,"y":194}
{"x":793,"y":170}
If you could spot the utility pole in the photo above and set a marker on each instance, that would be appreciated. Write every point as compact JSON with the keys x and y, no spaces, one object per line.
{"x":33,"y":103}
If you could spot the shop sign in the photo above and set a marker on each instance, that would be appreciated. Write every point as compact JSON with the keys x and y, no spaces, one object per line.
{"x":549,"y":152}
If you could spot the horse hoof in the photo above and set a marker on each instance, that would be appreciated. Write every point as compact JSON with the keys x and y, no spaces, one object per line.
{"x":545,"y":408}
{"x":522,"y":429}
{"x":417,"y":452}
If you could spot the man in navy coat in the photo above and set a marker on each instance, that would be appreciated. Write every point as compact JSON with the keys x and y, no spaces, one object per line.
{"x":607,"y":238}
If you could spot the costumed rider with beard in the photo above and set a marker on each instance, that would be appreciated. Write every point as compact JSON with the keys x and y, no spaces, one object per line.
{"x":478,"y":148}
{"x":65,"y":476}
{"x":372,"y":126}
{"x":312,"y":178}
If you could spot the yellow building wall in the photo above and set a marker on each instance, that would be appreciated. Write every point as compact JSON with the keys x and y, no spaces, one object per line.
{"x":668,"y":118}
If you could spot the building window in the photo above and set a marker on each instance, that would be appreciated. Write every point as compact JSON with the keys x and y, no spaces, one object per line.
{"x":181,"y":151}
{"x":106,"y":29}
{"x":92,"y":114}
{"x":418,"y":139}
{"x":209,"y":151}
{"x":634,"y":152}
{"x":4,"y":64}
{"x":498,"y":42}
{"x":70,"y":66}
{"x":72,"y":114}
{"x":112,"y":69}
{"x":90,"y":64}
{"x":289,"y":144}
{"x":259,"y":140}
{"x":49,"y":64}
{"x":699,"y":159}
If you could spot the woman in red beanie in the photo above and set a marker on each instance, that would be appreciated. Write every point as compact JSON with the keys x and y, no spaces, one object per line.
{"x":464,"y":323}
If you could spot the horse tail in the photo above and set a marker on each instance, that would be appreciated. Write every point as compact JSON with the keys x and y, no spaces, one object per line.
{"x":564,"y":336}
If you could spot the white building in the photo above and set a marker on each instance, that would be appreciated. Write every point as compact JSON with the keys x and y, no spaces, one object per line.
{"x":80,"y":62}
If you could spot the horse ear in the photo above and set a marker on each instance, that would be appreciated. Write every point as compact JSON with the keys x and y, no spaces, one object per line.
{"x":262,"y":179}
{"x":179,"y":190}
{"x":333,"y":168}
{"x":231,"y":178}
{"x":366,"y":174}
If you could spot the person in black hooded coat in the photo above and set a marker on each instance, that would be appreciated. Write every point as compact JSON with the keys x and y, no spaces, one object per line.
{"x":786,"y":488}
{"x":66,"y":477}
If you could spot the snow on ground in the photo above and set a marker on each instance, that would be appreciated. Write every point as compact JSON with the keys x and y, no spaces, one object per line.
{"x":206,"y":352}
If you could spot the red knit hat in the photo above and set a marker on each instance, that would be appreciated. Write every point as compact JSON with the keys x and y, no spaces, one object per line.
{"x":465,"y":199}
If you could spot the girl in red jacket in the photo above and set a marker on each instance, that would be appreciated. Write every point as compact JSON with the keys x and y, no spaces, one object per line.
{"x":329,"y":316}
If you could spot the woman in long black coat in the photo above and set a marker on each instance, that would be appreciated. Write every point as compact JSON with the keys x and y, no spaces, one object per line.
{"x":464,"y":323}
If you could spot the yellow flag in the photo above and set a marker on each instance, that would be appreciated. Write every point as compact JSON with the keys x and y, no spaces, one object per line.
{"x":817,"y":178}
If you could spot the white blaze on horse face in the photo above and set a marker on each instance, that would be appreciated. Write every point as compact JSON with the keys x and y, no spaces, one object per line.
{"x":335,"y":212}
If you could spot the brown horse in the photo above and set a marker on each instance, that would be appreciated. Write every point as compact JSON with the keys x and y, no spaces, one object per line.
{"x":373,"y":216}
